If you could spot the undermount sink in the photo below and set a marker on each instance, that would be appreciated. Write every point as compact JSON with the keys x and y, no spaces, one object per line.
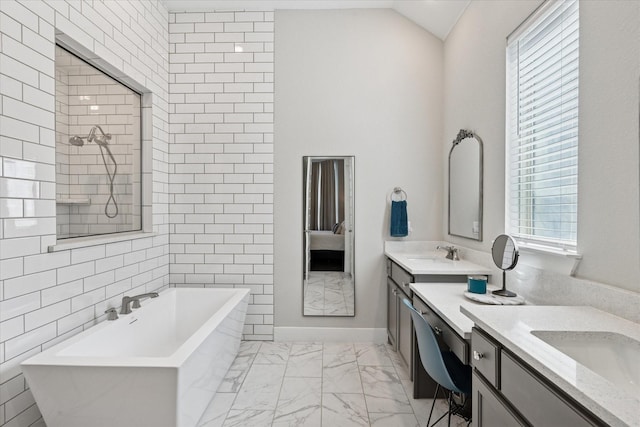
{"x":612,"y":356}
{"x":428,"y":258}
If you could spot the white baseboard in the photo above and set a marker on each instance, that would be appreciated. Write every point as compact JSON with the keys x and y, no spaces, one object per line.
{"x":377,"y":335}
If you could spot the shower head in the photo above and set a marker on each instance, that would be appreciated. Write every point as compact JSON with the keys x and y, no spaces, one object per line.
{"x":101,"y":140}
{"x":76,"y":140}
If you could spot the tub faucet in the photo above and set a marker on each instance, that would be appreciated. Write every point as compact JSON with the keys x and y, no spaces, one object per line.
{"x":127,"y":300}
{"x":452,"y":252}
{"x":112,"y":314}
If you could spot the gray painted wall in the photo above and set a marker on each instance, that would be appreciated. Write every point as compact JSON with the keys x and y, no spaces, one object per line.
{"x":608,"y":217}
{"x":366,"y":83}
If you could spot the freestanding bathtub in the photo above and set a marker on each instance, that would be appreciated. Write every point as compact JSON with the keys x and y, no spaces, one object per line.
{"x":159,"y":366}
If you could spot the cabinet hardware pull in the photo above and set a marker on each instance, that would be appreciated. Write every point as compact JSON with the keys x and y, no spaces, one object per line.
{"x":438,"y":330}
{"x":477,"y":356}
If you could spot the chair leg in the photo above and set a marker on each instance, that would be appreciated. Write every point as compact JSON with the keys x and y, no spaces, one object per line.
{"x":453,"y":409}
{"x":441,"y":416}
{"x":439,"y":419}
{"x":433,"y":404}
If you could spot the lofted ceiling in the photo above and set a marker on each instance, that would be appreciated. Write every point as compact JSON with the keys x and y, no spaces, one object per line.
{"x":436,"y":16}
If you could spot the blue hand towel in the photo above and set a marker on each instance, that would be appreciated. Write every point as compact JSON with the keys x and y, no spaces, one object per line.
{"x":399,"y":224}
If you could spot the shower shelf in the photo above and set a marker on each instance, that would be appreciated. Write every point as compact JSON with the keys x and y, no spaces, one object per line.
{"x":67,"y":201}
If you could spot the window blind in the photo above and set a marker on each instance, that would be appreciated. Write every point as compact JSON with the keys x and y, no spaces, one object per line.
{"x":542,"y":127}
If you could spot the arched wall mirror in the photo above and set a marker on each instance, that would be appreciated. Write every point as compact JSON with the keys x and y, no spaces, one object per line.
{"x":328,"y":242}
{"x":465,"y":186}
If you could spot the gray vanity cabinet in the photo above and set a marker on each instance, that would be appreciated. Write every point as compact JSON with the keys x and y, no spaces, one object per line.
{"x":399,"y":330}
{"x":507,"y":392}
{"x":539,"y":403}
{"x":405,"y":332}
{"x":392,"y":313}
{"x":400,"y":326}
{"x":489,"y":409}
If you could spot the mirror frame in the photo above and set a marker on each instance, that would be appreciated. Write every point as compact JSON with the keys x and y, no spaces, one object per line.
{"x":306,"y":170}
{"x":500,"y":244}
{"x":462,"y":135}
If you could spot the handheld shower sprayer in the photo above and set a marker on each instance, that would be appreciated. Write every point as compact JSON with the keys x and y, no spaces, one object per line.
{"x":101,"y":141}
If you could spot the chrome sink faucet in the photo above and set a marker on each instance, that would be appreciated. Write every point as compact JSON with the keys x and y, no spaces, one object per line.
{"x":452,"y":252}
{"x":127,"y":300}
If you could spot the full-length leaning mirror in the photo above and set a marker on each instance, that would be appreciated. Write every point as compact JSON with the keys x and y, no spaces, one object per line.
{"x":465,"y":186}
{"x":328,"y":246}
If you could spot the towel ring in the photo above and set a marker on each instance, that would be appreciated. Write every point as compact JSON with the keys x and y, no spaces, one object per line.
{"x":400,"y":193}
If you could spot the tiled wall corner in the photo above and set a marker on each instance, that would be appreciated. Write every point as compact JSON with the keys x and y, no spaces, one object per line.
{"x":221,"y":156}
{"x":47,"y":297}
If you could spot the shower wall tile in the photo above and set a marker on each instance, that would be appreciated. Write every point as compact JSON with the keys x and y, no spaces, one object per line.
{"x":221,"y":156}
{"x":48,"y":297}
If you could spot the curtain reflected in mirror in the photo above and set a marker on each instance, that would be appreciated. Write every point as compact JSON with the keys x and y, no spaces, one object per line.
{"x":328,"y":280}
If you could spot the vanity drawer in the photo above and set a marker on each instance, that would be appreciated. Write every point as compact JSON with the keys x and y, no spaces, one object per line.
{"x":401,"y":277}
{"x":484,"y":356}
{"x":536,"y":400}
{"x":456,"y":344}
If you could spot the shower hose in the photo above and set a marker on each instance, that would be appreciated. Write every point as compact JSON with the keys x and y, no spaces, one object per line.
{"x":111,"y":177}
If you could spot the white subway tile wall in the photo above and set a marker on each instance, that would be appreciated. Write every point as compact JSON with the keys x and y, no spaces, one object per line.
{"x":48,"y":297}
{"x":221,"y":156}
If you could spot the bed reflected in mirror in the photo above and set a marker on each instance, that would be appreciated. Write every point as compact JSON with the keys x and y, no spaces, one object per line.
{"x":328,"y":255}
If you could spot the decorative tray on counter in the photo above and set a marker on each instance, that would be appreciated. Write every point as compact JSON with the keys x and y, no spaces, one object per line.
{"x":489,"y":298}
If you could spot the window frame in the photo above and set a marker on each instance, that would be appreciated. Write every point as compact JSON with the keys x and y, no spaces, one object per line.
{"x":550,"y":245}
{"x":144,"y":146}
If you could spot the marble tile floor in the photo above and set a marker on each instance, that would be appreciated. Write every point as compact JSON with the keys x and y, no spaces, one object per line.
{"x":318,"y":384}
{"x":329,"y":293}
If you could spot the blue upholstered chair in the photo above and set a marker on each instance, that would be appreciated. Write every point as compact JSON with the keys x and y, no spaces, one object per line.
{"x":443,"y":366}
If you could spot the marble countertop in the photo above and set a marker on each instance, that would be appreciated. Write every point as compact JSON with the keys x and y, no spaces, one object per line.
{"x":512,"y":326}
{"x":422,"y":258}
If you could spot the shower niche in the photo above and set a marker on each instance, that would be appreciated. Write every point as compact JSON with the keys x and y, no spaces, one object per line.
{"x":98,"y":151}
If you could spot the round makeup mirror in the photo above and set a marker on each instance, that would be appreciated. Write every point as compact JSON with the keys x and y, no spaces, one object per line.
{"x":505,"y":255}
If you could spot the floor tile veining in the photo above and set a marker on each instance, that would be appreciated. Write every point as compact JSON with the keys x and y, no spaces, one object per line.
{"x":317,"y":384}
{"x":329,"y":293}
